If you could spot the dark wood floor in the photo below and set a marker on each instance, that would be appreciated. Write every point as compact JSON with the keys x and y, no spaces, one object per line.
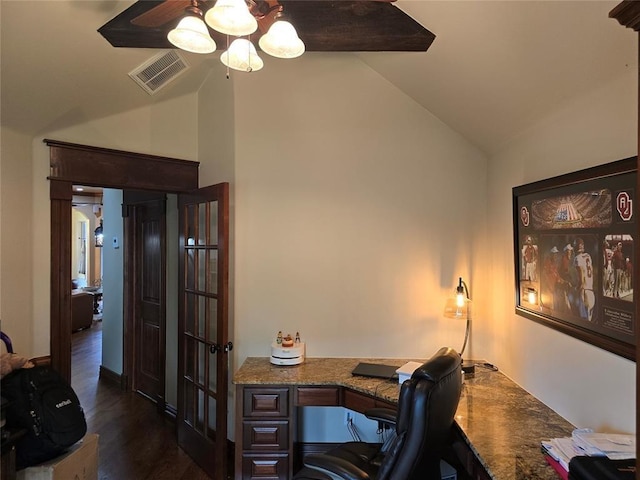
{"x":135,"y":442}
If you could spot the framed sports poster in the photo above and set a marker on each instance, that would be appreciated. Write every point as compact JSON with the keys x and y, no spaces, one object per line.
{"x":575,"y":242}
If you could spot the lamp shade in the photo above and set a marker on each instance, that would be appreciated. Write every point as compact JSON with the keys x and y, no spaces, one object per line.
{"x":282,"y":41}
{"x":455,"y":309}
{"x":192,"y":35}
{"x":459,"y":306}
{"x":242,"y":56}
{"x":231,"y":17}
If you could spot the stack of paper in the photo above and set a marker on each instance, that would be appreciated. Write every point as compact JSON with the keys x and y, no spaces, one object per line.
{"x":615,"y":446}
{"x":586,"y":442}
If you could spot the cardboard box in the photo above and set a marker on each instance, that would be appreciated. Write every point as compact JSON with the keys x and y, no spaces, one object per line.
{"x":79,"y":463}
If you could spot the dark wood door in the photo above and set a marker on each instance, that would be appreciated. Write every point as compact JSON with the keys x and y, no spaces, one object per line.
{"x":149,"y":272}
{"x":203,"y":346}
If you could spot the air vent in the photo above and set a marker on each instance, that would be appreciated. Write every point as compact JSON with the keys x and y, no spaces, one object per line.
{"x":159,"y":71}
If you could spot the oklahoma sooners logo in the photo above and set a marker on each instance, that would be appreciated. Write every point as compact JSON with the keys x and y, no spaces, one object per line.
{"x":624,"y":205}
{"x":524,"y":216}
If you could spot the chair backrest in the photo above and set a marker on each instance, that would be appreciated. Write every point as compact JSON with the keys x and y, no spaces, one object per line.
{"x":426,"y":408}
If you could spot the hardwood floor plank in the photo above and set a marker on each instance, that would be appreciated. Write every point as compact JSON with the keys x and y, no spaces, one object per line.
{"x":135,"y":441}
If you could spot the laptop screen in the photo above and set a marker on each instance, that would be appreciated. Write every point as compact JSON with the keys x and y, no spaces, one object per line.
{"x":375,"y":370}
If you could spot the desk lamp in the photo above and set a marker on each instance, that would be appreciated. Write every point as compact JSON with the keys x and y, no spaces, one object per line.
{"x":458,"y":307}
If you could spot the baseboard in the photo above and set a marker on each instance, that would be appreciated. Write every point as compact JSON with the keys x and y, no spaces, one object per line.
{"x":170,"y":412}
{"x":41,"y":361}
{"x":113,"y":377}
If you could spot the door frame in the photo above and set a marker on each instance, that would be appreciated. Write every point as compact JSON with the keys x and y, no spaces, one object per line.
{"x":97,"y":167}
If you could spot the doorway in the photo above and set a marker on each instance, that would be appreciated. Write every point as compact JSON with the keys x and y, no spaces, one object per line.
{"x":86,"y":284}
{"x":80,"y":164}
{"x":72,"y":163}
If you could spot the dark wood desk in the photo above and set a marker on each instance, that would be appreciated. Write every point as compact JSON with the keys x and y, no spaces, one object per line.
{"x":499,"y":425}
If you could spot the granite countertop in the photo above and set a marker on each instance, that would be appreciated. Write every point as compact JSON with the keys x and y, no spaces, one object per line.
{"x":504,"y":426}
{"x":320,"y":371}
{"x":501,"y":422}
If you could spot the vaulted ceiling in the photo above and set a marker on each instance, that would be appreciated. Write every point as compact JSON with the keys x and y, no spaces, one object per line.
{"x":493,"y":70}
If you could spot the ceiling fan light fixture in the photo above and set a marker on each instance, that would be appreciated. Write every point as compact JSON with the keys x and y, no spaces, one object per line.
{"x":241,"y":55}
{"x":192,"y":35}
{"x":282,"y":41}
{"x":231,"y":17}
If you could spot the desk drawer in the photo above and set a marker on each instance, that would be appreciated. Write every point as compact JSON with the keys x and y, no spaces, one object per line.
{"x":265,"y":435}
{"x":266,"y":402}
{"x":318,"y":396}
{"x":271,"y":467}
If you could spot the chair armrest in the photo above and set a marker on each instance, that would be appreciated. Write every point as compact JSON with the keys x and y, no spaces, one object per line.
{"x":335,"y":467}
{"x":384,"y":415}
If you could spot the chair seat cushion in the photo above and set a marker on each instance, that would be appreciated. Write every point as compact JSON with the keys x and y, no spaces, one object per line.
{"x":357,"y":452}
{"x":310,"y":474}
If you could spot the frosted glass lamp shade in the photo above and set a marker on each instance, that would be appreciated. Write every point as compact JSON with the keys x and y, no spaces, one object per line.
{"x":454,"y":308}
{"x":242,"y":56}
{"x":231,"y":17}
{"x":282,"y":41}
{"x":192,"y":35}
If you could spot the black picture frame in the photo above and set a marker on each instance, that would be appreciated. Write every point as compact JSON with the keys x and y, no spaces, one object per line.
{"x":574,"y":240}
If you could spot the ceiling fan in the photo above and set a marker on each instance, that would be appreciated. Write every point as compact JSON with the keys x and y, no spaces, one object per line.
{"x":323,"y":25}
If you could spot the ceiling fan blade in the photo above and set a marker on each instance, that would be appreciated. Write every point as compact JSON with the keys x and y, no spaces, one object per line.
{"x":356,"y":25}
{"x":161,"y":13}
{"x":323,"y":25}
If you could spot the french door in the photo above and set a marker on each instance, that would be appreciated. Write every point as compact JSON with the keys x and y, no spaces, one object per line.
{"x":203,"y":344}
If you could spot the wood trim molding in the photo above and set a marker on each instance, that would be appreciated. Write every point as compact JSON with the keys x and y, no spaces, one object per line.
{"x":94,"y":166}
{"x":113,"y":378}
{"x":60,"y":193}
{"x":41,"y":361}
{"x":628,"y":14}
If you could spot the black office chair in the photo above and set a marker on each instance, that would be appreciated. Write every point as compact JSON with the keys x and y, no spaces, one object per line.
{"x":426,"y":409}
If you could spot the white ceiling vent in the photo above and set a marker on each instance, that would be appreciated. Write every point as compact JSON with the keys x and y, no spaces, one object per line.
{"x":159,"y":71}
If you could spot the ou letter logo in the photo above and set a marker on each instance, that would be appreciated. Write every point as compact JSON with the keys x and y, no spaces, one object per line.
{"x":524,"y":216}
{"x":624,"y":205}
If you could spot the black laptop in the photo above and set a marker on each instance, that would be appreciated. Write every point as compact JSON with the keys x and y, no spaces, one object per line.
{"x":375,"y":370}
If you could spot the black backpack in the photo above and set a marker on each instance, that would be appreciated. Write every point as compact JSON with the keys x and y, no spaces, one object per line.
{"x":45,"y":405}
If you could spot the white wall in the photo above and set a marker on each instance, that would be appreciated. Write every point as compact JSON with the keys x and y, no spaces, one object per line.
{"x":165,"y":128}
{"x":588,"y":386}
{"x":112,"y":287}
{"x":17,"y":240}
{"x":356,"y":211}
